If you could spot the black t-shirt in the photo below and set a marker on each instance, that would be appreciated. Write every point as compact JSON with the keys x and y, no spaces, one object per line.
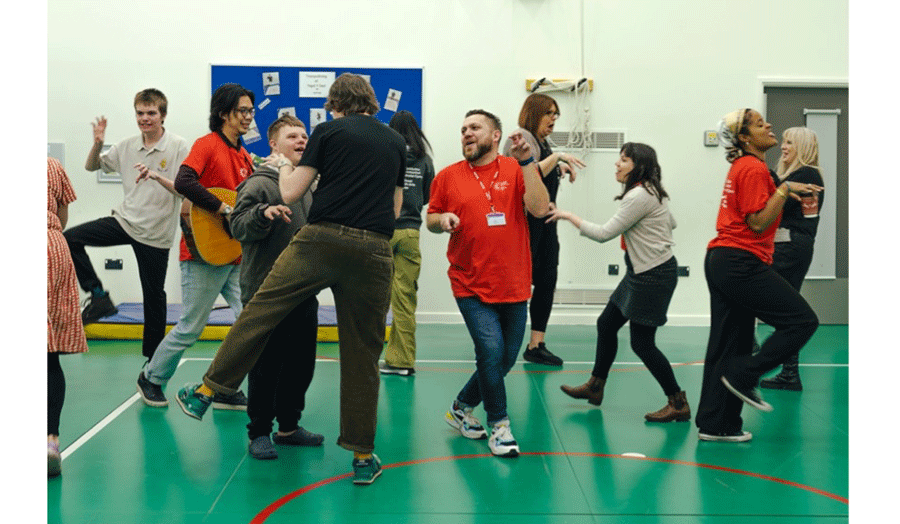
{"x":792,"y":217}
{"x":360,"y":162}
{"x":551,"y":181}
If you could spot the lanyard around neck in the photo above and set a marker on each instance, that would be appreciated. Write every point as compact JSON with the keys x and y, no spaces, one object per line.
{"x":487,"y":191}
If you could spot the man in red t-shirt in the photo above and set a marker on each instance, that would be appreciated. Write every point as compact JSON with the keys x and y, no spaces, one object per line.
{"x":216,"y":160}
{"x":479,"y":202}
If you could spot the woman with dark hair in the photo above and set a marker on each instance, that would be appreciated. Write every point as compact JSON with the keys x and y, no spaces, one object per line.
{"x":536,"y":121}
{"x":743,"y":286}
{"x":644,"y":223}
{"x":796,"y":234}
{"x":400,"y":354}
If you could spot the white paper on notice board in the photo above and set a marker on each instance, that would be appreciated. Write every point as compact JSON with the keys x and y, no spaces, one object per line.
{"x":315,"y":84}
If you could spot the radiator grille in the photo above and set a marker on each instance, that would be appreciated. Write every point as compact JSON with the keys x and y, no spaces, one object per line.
{"x":582,"y":296}
{"x":600,"y":140}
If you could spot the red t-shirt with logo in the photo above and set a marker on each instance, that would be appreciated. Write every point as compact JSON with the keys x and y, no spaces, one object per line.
{"x":490,"y":262}
{"x":747,"y":190}
{"x":218,"y":164}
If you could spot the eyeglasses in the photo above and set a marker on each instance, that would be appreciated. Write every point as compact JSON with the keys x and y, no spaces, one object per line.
{"x":553,"y":113}
{"x":245,"y":111}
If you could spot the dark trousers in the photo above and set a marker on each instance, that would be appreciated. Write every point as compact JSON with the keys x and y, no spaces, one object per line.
{"x":277,"y":384}
{"x":152,"y":263}
{"x":56,"y":392}
{"x":544,"y":263}
{"x":358,"y":267}
{"x":643,"y":342}
{"x":741,"y":288}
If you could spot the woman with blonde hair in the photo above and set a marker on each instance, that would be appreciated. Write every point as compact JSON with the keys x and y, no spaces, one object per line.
{"x":795,"y":236}
{"x":742,"y":284}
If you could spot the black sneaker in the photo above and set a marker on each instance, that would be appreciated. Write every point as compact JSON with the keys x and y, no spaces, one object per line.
{"x":541,"y":355}
{"x":387,"y":369}
{"x":150,"y":392}
{"x":750,"y":396}
{"x":98,"y":307}
{"x":783,"y":381}
{"x":236,"y":402}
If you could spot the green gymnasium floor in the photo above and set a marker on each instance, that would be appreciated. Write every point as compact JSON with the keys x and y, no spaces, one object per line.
{"x":128,"y":463}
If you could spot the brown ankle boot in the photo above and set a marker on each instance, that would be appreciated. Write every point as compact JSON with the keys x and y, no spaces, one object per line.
{"x":591,"y":390}
{"x":676,"y":409}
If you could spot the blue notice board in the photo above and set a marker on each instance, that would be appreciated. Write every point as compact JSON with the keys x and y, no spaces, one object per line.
{"x":303,"y":91}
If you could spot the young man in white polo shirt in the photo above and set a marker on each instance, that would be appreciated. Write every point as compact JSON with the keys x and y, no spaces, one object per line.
{"x":146,"y":219}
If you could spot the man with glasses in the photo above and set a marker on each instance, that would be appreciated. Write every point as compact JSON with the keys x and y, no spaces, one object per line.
{"x":215,"y":160}
{"x":146,"y":218}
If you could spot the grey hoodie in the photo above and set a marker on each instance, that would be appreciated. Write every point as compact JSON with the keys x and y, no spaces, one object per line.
{"x":262,"y":240}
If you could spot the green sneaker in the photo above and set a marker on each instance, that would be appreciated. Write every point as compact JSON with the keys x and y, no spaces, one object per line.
{"x":366,"y":471}
{"x":192,"y":403}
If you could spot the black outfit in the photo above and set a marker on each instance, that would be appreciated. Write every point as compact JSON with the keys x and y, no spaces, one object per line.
{"x":152,"y":264}
{"x":742,"y":287}
{"x":277,"y":384}
{"x":416,"y":191}
{"x":544,"y":253}
{"x":644,"y":299}
{"x":345,"y":194}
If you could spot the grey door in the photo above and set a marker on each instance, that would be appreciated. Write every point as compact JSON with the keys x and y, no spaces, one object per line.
{"x":785,"y":108}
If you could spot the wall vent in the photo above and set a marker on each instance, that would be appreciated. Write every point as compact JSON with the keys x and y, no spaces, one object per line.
{"x":599,"y":140}
{"x":582,"y":296}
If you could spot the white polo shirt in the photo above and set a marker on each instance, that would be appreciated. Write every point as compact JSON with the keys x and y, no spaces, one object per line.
{"x":149,"y":213}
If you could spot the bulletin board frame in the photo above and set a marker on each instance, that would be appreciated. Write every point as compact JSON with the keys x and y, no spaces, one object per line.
{"x":302,"y":90}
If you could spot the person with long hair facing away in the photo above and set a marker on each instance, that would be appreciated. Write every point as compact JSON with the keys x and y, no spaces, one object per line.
{"x":400,"y":353}
{"x":742,"y":284}
{"x":536,"y":121}
{"x":644,"y":224}
{"x":796,"y":235}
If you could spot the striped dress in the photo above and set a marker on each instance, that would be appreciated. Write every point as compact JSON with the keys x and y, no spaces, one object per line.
{"x":65,"y":332}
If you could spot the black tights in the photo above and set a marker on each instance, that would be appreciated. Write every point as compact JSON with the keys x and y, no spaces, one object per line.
{"x":643,"y":342}
{"x":56,"y":392}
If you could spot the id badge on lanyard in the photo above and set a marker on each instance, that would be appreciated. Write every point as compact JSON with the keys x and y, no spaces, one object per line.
{"x":496,"y":219}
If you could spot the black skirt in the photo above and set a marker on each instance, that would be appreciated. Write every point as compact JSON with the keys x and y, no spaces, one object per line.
{"x":644,"y":298}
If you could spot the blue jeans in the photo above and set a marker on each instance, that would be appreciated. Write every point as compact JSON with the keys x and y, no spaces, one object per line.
{"x":498,"y":331}
{"x":201,"y":283}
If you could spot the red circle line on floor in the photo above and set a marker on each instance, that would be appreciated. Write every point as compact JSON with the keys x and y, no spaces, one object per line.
{"x":272,"y":508}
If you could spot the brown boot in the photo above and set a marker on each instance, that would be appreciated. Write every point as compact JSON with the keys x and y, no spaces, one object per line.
{"x":676,"y":409}
{"x":591,"y":390}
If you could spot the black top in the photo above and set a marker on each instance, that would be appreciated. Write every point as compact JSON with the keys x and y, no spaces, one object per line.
{"x":419,"y":174}
{"x":792,"y":216}
{"x":360,"y":162}
{"x":552,"y":179}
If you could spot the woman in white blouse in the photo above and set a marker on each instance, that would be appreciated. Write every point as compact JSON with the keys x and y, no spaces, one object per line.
{"x":644,"y":223}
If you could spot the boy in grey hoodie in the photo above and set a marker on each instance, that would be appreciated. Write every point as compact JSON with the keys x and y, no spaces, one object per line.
{"x":264,"y":225}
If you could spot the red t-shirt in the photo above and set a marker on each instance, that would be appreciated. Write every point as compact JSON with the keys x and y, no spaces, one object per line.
{"x":218,"y":164}
{"x":747,"y":190}
{"x":490,"y":262}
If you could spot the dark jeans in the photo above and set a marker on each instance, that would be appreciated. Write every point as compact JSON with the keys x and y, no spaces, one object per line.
{"x":56,"y":392}
{"x":741,"y":288}
{"x":152,"y":263}
{"x":277,"y":384}
{"x":497,"y":330}
{"x":643,"y":342}
{"x":357,"y":265}
{"x":544,"y":270}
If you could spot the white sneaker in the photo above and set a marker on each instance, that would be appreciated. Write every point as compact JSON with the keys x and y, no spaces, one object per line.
{"x":739,"y":436}
{"x":466,"y":423}
{"x":502,"y":442}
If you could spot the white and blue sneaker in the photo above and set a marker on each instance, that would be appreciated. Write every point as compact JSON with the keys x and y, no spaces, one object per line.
{"x":502,"y":442}
{"x":465,"y":422}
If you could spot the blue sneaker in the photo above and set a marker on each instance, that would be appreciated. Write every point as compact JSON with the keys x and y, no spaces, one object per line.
{"x":465,"y":422}
{"x":367,"y":470}
{"x":192,"y":403}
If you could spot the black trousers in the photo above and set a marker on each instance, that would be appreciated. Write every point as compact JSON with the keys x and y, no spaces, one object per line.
{"x":742,"y":288}
{"x":277,"y":383}
{"x":56,"y":392}
{"x":643,"y":342}
{"x":544,"y":268}
{"x":152,"y":264}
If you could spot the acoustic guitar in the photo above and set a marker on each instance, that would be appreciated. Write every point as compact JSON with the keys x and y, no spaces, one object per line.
{"x":206,"y":233}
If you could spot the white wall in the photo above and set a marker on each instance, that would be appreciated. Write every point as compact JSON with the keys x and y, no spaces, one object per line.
{"x":664,"y":71}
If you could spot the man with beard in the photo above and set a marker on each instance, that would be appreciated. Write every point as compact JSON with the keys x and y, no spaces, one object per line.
{"x":479,"y":202}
